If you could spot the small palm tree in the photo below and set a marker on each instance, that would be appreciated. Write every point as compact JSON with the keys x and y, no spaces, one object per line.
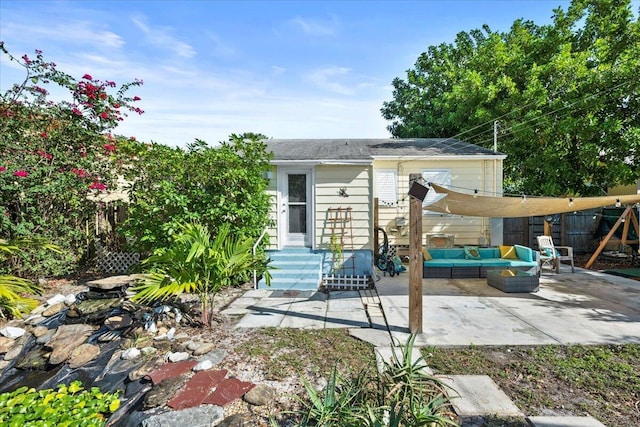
{"x":13,"y":288}
{"x":198,"y":263}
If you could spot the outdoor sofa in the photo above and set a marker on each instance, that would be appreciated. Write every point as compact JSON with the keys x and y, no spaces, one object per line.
{"x":471,"y":261}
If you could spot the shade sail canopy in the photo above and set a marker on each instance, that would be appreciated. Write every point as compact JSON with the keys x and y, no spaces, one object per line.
{"x":457,"y":203}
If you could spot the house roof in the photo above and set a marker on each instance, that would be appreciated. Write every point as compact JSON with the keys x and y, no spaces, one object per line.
{"x":369,"y":149}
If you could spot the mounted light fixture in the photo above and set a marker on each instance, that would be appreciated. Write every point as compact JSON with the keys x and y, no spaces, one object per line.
{"x":618,"y":204}
{"x":475,"y":193}
{"x":524,"y":198}
{"x":418,"y":191}
{"x":571,"y":201}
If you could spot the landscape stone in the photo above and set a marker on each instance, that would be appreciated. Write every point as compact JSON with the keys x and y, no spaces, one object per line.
{"x":192,"y":345}
{"x":56,"y":299}
{"x":66,"y":339}
{"x":147,"y":367}
{"x":160,"y":394}
{"x":118,"y":322}
{"x":12,"y":332}
{"x":201,"y":416}
{"x":238,"y":420}
{"x":113,"y":282}
{"x":82,"y":355}
{"x":34,"y":359}
{"x":39,"y":309}
{"x":204,"y":348}
{"x":148,"y":350}
{"x":46,"y":337}
{"x":178,"y":356}
{"x":20,"y":343}
{"x":94,"y":305}
{"x":70,"y":299}
{"x":260,"y":395}
{"x":216,"y":356}
{"x":6,"y":344}
{"x":180,"y":336}
{"x":54,"y":309}
{"x":130,"y":354}
{"x":203,"y":366}
{"x":39,"y":331}
{"x":34,"y":319}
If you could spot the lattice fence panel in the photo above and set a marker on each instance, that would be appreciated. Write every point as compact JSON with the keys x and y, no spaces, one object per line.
{"x":116,"y":262}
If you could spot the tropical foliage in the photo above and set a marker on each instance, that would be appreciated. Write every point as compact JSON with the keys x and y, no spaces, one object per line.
{"x":218,"y":185}
{"x":402,"y":393}
{"x":70,"y":405}
{"x":199,"y":263}
{"x":13,"y":288}
{"x":565,"y":96}
{"x":55,"y":155}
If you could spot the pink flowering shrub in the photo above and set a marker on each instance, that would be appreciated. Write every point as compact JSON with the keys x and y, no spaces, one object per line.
{"x":54,"y":155}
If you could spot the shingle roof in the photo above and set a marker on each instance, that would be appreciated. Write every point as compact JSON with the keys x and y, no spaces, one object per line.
{"x":367,"y":149}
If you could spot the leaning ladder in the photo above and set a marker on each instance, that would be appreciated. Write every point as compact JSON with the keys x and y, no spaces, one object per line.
{"x":341,"y":228}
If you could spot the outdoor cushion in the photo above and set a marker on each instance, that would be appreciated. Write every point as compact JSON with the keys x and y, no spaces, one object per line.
{"x":495,"y":262}
{"x":508,"y":252}
{"x":486,"y":253}
{"x":471,"y":252}
{"x":426,"y":256}
{"x":466,"y":262}
{"x":439,"y":262}
{"x":524,"y":253}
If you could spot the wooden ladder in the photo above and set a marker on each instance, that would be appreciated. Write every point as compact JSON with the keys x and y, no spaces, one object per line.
{"x":340,"y":224}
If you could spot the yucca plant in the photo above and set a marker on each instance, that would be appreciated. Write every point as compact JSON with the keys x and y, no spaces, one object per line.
{"x":198,"y":263}
{"x":12,"y":288}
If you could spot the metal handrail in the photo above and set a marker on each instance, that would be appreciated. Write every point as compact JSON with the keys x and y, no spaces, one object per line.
{"x":253,"y":251}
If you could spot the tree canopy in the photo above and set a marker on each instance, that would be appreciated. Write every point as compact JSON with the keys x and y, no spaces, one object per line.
{"x":565,"y":96}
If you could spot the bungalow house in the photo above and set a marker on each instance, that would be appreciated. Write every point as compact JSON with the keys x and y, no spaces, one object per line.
{"x":329,"y":195}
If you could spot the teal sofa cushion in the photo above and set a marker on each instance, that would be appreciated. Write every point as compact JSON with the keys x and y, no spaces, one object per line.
{"x":524,"y":253}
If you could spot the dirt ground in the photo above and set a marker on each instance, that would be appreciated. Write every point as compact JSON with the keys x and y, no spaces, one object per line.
{"x":281,"y":359}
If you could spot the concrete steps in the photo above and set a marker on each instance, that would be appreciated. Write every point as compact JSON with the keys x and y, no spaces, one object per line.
{"x":299,"y":269}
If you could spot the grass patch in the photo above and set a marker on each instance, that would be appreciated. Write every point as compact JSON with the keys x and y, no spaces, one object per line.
{"x":286,"y":352}
{"x":602,"y":381}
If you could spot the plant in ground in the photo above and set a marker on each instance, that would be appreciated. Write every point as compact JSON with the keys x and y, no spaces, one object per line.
{"x":55,"y":156}
{"x":218,"y":185}
{"x":70,"y":405}
{"x":402,"y":394}
{"x":197,"y":262}
{"x":12,"y":288}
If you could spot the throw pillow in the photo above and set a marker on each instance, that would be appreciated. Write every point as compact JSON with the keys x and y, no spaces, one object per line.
{"x":426,"y":256}
{"x":508,"y":252}
{"x":471,"y":252}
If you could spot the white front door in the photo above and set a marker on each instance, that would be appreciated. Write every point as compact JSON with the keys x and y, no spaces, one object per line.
{"x":296,"y":208}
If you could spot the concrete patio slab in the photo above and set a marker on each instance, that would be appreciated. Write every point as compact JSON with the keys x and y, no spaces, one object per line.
{"x":564,"y":422}
{"x":478,"y":395}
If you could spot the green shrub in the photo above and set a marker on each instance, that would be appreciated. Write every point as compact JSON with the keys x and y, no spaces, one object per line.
{"x":65,"y":406}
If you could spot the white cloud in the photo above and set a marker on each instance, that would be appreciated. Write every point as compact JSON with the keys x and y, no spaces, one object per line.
{"x":315,"y":27}
{"x":276,"y":71}
{"x":161,"y":36}
{"x":79,"y":33}
{"x":324,"y":78}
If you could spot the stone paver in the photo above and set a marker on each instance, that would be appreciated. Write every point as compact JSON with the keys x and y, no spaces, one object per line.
{"x":564,"y":422}
{"x":473,"y":395}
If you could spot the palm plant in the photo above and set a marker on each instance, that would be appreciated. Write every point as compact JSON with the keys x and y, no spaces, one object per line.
{"x":198,"y":263}
{"x":12,"y":288}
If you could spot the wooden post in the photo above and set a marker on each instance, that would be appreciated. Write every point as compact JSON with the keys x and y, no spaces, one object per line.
{"x":415,"y":261}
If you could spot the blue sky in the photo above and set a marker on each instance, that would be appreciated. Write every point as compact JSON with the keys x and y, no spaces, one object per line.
{"x":287,"y":69}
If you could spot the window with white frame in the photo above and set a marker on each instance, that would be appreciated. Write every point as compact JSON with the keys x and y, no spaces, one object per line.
{"x":437,"y":176}
{"x":387,"y":187}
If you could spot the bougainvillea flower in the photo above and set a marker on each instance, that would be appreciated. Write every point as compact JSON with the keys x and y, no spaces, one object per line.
{"x":136,"y":98}
{"x":2,"y":169}
{"x":80,"y":172}
{"x":104,"y":116}
{"x":21,"y":173}
{"x":77,"y":111}
{"x":87,"y":77}
{"x":96,"y":185}
{"x":43,"y":135}
{"x":109,"y":148}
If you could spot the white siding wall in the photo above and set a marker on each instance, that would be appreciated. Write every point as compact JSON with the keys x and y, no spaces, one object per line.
{"x":273,"y":214}
{"x":356,"y":180}
{"x":466,"y":175}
